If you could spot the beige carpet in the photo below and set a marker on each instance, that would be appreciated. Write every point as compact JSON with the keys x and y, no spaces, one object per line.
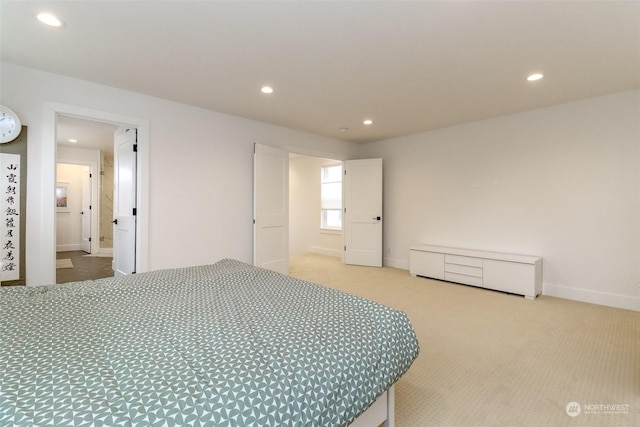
{"x":64,"y":263}
{"x":493,"y":359}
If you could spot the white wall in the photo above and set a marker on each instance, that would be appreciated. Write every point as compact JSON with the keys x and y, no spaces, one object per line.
{"x":560,"y":182}
{"x":305,"y":234}
{"x":200,"y":169}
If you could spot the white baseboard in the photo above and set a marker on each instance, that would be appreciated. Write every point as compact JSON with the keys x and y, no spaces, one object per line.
{"x":105,"y":251}
{"x":593,"y":297}
{"x":402,"y":264}
{"x":68,"y":248}
{"x":325,"y":251}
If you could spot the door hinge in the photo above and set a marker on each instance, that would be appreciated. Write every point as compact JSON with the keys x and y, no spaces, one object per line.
{"x":135,"y":148}
{"x":89,"y":207}
{"x":345,"y":248}
{"x":135,"y":211}
{"x":254,"y":221}
{"x":90,"y":175}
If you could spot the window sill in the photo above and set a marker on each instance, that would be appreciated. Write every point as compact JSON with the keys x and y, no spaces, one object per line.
{"x":330,"y":231}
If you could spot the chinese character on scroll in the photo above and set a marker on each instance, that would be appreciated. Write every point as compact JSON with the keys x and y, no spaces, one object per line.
{"x":10,"y":216}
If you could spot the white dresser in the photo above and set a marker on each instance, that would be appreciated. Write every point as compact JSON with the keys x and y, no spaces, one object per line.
{"x":517,"y":274}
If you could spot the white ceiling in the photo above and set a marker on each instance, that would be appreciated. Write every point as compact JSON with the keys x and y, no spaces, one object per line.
{"x":409,"y":66}
{"x":87,"y":133}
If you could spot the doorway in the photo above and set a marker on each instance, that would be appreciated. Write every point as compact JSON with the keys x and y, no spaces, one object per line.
{"x":84,"y":199}
{"x":55,"y":111}
{"x":75,"y":212}
{"x":308,"y":233}
{"x":360,"y":215}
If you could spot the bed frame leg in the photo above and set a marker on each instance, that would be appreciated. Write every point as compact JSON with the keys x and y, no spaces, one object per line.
{"x":391,"y":406}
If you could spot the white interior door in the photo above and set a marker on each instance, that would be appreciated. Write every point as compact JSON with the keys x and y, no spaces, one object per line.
{"x":362,"y":191}
{"x":124,"y":202}
{"x":271,"y":208}
{"x":86,"y":210}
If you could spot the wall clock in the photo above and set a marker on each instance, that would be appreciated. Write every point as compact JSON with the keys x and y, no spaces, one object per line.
{"x":10,"y":126}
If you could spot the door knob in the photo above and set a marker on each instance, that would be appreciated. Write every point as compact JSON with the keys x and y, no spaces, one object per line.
{"x":115,"y":221}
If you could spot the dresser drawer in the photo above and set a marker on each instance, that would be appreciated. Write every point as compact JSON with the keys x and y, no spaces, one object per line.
{"x":463,"y":260}
{"x":461,"y":278}
{"x":463,"y":269}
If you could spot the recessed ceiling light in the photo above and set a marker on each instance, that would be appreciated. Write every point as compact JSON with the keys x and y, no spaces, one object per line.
{"x":368,"y":122}
{"x":534,"y":77}
{"x":50,"y":20}
{"x":266,"y":89}
{"x":73,"y":141}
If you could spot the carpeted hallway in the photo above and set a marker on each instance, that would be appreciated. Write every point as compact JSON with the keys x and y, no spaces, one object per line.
{"x":494,"y":359}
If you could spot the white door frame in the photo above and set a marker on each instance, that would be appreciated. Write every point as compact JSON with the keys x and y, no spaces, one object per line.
{"x":95,"y":207}
{"x":87,"y":202}
{"x":41,"y":262}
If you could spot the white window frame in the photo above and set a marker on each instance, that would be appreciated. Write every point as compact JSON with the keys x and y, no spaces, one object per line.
{"x":323,"y":210}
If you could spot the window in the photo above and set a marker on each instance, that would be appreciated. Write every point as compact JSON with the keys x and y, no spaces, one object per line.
{"x":331,"y":197}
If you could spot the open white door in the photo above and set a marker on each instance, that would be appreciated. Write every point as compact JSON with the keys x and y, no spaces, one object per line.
{"x":362,"y":190}
{"x":271,"y":208}
{"x":124,"y":202}
{"x":86,"y":210}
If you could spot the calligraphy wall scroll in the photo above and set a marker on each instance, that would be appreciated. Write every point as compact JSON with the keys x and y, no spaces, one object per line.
{"x":13,"y":180}
{"x":10,"y":216}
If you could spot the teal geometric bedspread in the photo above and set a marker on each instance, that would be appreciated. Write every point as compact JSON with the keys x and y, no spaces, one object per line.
{"x":226,"y":344}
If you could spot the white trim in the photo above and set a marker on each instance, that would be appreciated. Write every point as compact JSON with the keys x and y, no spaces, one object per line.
{"x":593,"y":297}
{"x":402,"y":264}
{"x":335,"y":231}
{"x":70,"y":247}
{"x":45,"y":270}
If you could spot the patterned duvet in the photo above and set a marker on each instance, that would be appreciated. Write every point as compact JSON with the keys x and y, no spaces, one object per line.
{"x":226,"y":344}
